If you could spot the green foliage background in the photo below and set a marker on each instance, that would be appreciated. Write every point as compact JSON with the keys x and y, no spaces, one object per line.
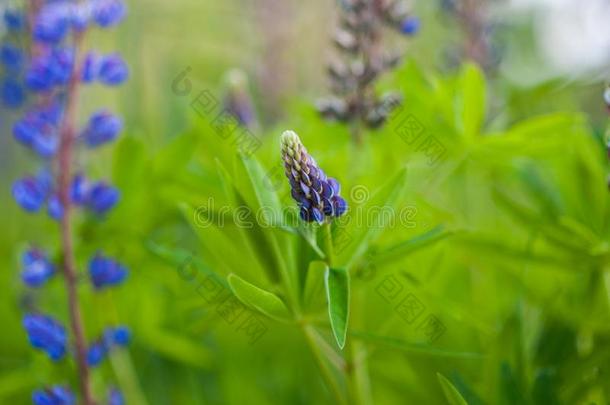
{"x":509,"y":246}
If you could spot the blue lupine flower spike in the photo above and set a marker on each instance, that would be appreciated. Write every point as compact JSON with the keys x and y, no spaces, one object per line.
{"x":316,"y":194}
{"x":36,"y":75}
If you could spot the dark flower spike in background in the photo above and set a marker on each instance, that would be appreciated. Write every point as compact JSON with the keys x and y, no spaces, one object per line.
{"x":359,"y":38}
{"x":316,"y":194}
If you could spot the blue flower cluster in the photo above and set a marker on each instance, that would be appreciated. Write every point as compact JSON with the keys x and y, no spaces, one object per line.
{"x":46,"y":334}
{"x":410,"y":25}
{"x":36,"y":268}
{"x":56,"y":395}
{"x":33,"y":192}
{"x":112,"y":337}
{"x":46,"y":73}
{"x":106,"y":272}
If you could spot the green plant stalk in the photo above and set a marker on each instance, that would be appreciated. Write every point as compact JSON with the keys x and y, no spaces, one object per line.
{"x":356,"y":365}
{"x":327,"y":374}
{"x":355,"y":369}
{"x":310,"y":334}
{"x":328,"y":244}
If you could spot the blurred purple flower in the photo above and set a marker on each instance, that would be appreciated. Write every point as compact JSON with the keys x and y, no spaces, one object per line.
{"x":106,"y":272}
{"x":29,"y":193}
{"x":52,"y":22}
{"x":90,"y":68}
{"x":46,"y":334}
{"x":11,"y":57}
{"x":12,"y":93}
{"x":56,"y":395}
{"x":79,"y":189}
{"x":103,"y":127}
{"x":102,"y":197}
{"x":113,"y":70}
{"x":115,"y":397}
{"x":14,"y":20}
{"x":54,"y":207}
{"x":36,"y":268}
{"x":410,"y":25}
{"x":107,"y":13}
{"x":96,"y":353}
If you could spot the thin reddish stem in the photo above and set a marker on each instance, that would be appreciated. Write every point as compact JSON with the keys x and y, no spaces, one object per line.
{"x":65,"y":159}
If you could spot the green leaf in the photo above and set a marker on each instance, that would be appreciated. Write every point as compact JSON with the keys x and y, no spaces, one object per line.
{"x":175,"y":155}
{"x":314,"y":284}
{"x":252,"y":238}
{"x":368,"y":221}
{"x":176,"y":347}
{"x":472,"y":101}
{"x":548,"y":126}
{"x":409,"y":347}
{"x":267,"y":200}
{"x":451,"y":393}
{"x":219,"y":246}
{"x":337,"y":295}
{"x":252,"y":178}
{"x":129,"y":163}
{"x":400,"y":250}
{"x":256,"y":298}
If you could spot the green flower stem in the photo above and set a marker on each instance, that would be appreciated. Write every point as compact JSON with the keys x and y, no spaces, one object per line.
{"x":327,"y":375}
{"x":356,"y":367}
{"x":328,"y":244}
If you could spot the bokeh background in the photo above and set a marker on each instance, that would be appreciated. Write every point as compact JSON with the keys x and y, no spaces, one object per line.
{"x":519,"y":275}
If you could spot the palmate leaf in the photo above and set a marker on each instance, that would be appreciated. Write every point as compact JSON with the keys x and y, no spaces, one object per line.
{"x":451,"y":393}
{"x":258,"y":299}
{"x":337,"y":294}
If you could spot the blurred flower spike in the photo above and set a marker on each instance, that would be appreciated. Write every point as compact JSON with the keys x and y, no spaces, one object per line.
{"x":43,"y":73}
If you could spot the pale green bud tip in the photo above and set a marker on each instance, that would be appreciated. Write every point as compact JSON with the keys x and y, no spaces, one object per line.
{"x":289,"y":139}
